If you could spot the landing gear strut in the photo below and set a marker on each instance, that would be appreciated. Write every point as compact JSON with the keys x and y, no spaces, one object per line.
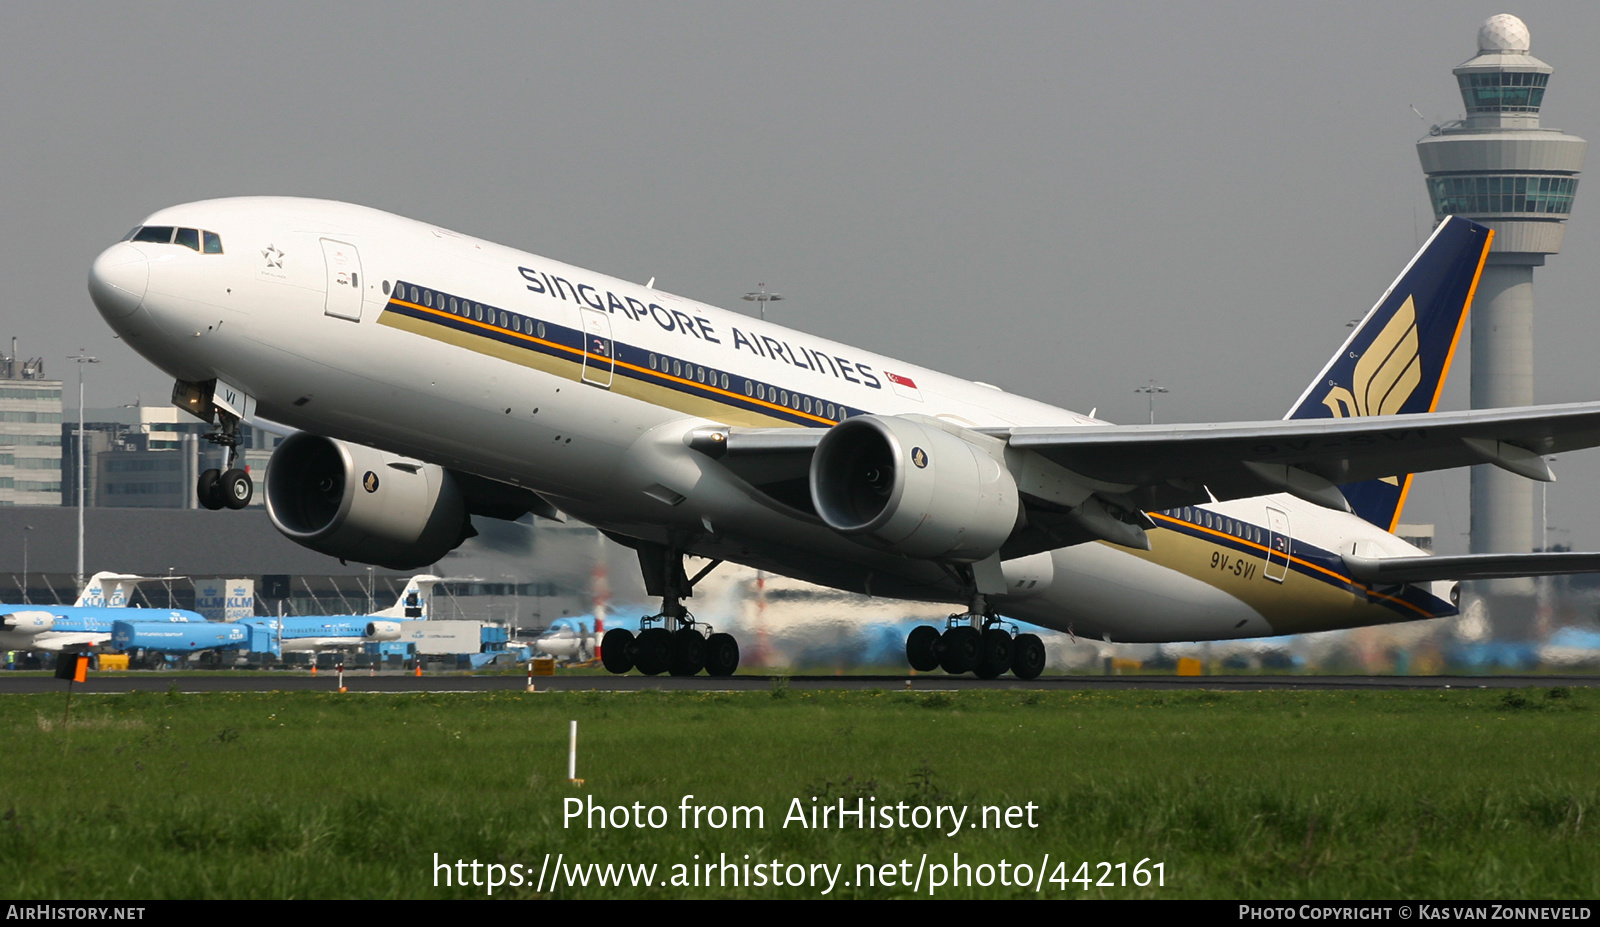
{"x":977,"y":643}
{"x":229,"y":488}
{"x":671,"y":641}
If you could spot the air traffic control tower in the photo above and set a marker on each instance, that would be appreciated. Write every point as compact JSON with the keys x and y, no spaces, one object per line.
{"x":1500,"y":168}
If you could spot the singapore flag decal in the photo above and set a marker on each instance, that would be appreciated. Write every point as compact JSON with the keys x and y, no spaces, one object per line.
{"x":904,"y":386}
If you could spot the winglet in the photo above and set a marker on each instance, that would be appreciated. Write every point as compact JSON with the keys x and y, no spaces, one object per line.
{"x":1396,"y":360}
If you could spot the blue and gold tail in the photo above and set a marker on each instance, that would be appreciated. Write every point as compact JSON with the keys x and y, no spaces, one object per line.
{"x":1396,"y":361}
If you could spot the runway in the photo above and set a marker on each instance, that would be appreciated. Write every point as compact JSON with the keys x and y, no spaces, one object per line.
{"x":396,"y":683}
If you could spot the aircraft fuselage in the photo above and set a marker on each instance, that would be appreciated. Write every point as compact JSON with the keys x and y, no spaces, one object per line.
{"x":382,"y":331}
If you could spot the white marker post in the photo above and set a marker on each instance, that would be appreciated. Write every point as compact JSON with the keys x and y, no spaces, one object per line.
{"x":572,"y":756}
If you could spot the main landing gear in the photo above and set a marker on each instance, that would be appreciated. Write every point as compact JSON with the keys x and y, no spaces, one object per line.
{"x":975,"y":643}
{"x":229,"y":488}
{"x":672,"y":641}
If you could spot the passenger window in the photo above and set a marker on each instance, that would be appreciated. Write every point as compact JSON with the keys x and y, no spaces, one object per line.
{"x":189,"y":238}
{"x":214,"y":246}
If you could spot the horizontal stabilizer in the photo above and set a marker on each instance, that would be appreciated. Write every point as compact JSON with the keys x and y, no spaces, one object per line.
{"x":1470,"y":566}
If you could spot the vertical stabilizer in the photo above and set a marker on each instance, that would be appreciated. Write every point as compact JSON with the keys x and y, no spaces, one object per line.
{"x":108,"y":590}
{"x":1396,"y":360}
{"x":414,"y":599}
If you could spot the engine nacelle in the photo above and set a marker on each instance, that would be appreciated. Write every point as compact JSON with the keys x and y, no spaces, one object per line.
{"x":27,"y":622}
{"x":358,"y":503}
{"x":913,"y":489}
{"x":383,"y":631}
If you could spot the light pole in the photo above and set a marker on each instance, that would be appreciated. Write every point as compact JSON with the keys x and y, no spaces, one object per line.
{"x":82,"y":358}
{"x":27,"y":532}
{"x":761,"y":297}
{"x":1150,"y":393}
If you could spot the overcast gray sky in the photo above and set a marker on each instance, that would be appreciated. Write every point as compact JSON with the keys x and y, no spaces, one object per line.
{"x":1065,"y":199}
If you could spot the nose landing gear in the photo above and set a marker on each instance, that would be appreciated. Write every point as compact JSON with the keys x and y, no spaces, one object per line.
{"x":230,"y":488}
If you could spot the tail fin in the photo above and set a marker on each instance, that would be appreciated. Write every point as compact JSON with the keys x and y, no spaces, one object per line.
{"x":1396,"y":360}
{"x":414,"y":599}
{"x":108,"y":590}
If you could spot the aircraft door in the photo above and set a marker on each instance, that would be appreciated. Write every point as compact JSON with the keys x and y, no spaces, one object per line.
{"x":599,"y":351}
{"x":344,"y":280}
{"x":1278,"y":543}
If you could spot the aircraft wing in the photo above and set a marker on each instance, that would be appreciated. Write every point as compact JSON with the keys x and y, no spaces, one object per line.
{"x":1169,"y":465}
{"x":56,"y":641}
{"x":1156,"y":467}
{"x":1470,"y":566}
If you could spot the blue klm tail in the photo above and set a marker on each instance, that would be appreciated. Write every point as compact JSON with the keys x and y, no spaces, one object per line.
{"x":1396,"y":361}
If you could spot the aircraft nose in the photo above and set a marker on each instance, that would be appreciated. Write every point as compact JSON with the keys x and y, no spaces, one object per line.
{"x":118,"y":280}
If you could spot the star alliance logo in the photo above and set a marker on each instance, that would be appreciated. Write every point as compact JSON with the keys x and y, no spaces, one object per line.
{"x":274,"y":257}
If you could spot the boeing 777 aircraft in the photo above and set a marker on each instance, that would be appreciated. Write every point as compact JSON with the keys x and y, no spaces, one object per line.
{"x":433,"y":376}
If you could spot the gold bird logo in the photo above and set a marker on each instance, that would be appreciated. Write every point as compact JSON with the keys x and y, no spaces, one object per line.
{"x":1386,"y":374}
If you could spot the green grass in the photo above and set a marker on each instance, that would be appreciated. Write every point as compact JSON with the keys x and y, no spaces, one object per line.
{"x":1459,"y":794}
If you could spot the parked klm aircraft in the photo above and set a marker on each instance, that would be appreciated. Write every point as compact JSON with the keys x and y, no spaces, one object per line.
{"x":569,"y":640}
{"x":348,"y":632}
{"x":434,"y":376}
{"x":87,"y":622}
{"x":299,"y":633}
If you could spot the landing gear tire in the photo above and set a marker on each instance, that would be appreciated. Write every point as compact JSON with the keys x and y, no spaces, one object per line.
{"x":922,"y":649}
{"x":688,"y":652}
{"x":722,"y":655}
{"x":994,"y":654}
{"x":616,"y":650}
{"x":236,"y":489}
{"x":652,"y":651}
{"x":1027,"y":656}
{"x":960,"y":651}
{"x":206,"y":490}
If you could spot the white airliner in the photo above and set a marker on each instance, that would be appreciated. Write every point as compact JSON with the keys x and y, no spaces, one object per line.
{"x":433,"y":375}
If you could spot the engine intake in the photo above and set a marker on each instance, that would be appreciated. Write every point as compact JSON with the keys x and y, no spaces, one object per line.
{"x":913,"y":489}
{"x":358,"y":503}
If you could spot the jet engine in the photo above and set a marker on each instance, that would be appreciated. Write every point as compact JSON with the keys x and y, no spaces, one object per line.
{"x":27,"y":622}
{"x":358,"y":503}
{"x":383,"y":630}
{"x":913,"y":488}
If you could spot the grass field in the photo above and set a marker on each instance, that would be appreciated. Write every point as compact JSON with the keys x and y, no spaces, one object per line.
{"x":1415,"y":795}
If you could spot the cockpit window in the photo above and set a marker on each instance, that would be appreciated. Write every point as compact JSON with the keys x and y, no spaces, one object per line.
{"x":134,"y":231}
{"x":167,"y":235}
{"x":155,"y":233}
